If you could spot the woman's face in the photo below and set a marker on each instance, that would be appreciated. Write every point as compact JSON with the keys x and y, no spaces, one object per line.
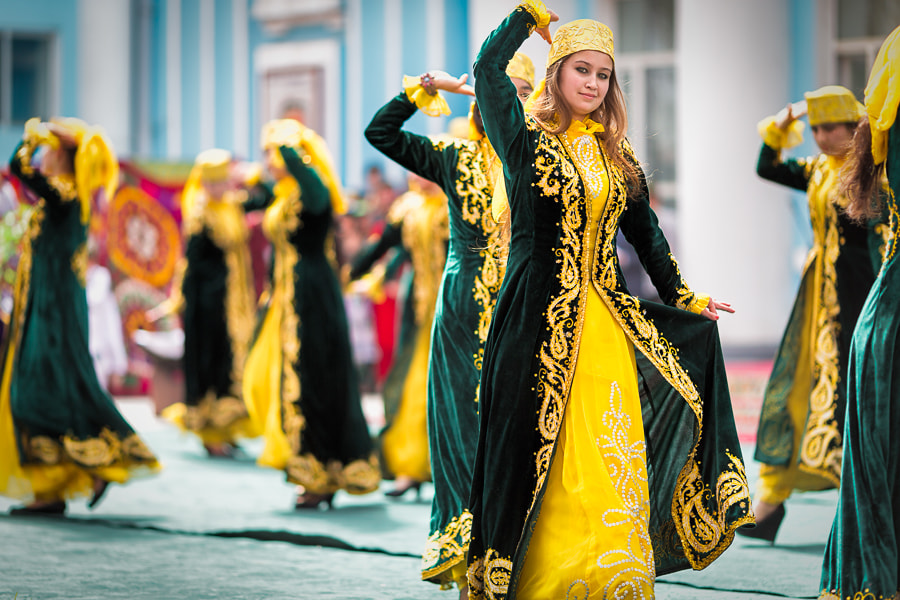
{"x":523,"y":88}
{"x":833,"y":138}
{"x":584,"y":81}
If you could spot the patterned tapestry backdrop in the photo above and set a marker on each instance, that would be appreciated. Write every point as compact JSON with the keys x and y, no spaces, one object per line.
{"x":138,"y":238}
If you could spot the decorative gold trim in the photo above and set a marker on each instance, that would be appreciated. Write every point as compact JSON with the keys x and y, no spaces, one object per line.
{"x":447,"y":547}
{"x":360,"y":476}
{"x":477,"y":168}
{"x":489,"y":576}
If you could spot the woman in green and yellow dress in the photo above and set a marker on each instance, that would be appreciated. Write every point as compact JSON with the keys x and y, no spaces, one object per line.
{"x":61,"y":435}
{"x":862,"y":557}
{"x":417,"y":227}
{"x":214,"y":293}
{"x":300,"y":384}
{"x":799,"y":435}
{"x":607,"y":452}
{"x":466,"y":171}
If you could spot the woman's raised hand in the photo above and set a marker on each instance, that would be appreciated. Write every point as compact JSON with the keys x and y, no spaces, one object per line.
{"x":711,"y":310}
{"x":544,"y":32}
{"x":456,"y":85}
{"x":789,"y":114}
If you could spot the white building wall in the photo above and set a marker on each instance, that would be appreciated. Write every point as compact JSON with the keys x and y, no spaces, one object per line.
{"x":734,"y":229}
{"x":104,"y":92}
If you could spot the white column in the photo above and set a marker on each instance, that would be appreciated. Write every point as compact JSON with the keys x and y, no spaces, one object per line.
{"x":435,"y":52}
{"x":173,"y":79}
{"x":104,"y":92}
{"x":240,"y":57}
{"x":734,"y":228}
{"x":207,"y":96}
{"x":393,"y":71}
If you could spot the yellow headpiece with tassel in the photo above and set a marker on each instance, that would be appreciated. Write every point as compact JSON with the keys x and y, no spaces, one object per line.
{"x":96,"y":165}
{"x":578,"y":35}
{"x":210,"y":166}
{"x":292,"y":133}
{"x":883,"y":94}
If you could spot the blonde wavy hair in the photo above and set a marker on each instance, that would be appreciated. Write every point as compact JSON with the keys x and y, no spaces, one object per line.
{"x":554,"y":116}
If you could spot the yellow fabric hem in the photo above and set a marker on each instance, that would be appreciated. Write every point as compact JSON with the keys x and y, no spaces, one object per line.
{"x":405,"y":443}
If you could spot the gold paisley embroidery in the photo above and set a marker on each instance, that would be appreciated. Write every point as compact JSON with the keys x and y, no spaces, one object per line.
{"x":358,"y":477}
{"x":79,"y":263}
{"x":630,"y":568}
{"x":447,"y":547}
{"x":477,"y":169}
{"x":23,"y":155}
{"x":43,"y":449}
{"x":65,"y":186}
{"x":94,"y":452}
{"x":214,"y":413}
{"x":864,"y":595}
{"x":821,"y":447}
{"x":565,"y":314}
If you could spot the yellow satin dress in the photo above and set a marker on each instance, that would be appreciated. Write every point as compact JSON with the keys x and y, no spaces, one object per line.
{"x":591,"y":539}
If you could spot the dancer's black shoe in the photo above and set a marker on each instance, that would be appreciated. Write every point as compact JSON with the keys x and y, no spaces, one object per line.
{"x":766,"y":528}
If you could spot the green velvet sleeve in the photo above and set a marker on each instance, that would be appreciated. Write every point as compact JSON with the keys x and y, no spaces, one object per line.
{"x":20,"y":166}
{"x":391,"y":237}
{"x":416,"y":153}
{"x":500,"y":107}
{"x":640,"y":226}
{"x":314,"y":195}
{"x":259,"y":197}
{"x":793,"y":172}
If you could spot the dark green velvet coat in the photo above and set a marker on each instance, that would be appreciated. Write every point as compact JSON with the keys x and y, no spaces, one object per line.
{"x":848,"y":254}
{"x":60,"y":411}
{"x":215,"y":338}
{"x":321,"y":411}
{"x":465,"y":303}
{"x":698,"y":488}
{"x":862,"y":558}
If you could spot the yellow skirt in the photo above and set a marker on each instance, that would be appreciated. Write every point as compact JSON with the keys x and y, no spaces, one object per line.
{"x":405,"y":443}
{"x":262,"y":390}
{"x":592,"y":539}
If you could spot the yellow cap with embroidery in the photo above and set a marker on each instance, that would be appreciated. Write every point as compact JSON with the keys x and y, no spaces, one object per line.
{"x":213,"y":165}
{"x":832,"y":104}
{"x":521,"y":67}
{"x":578,"y":35}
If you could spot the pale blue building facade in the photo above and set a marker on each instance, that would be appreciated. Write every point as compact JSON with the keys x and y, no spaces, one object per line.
{"x":169,"y":78}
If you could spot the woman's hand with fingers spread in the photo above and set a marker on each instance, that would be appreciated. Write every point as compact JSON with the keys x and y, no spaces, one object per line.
{"x":712,"y":309}
{"x":544,"y":32}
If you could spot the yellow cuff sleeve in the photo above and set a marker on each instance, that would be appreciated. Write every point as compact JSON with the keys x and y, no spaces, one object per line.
{"x":538,"y":11}
{"x":699,"y":302}
{"x":433,"y":106}
{"x":777,"y":138}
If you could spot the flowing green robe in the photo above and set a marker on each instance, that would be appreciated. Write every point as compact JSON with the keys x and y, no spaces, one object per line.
{"x":218,"y":313}
{"x":62,"y":415}
{"x":698,"y":489}
{"x":862,"y":558}
{"x":840,"y":268}
{"x":465,"y":303}
{"x":321,"y":414}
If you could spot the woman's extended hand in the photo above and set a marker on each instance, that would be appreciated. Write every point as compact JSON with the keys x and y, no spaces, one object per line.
{"x":789,"y":114}
{"x":711,"y":310}
{"x":544,"y":32}
{"x":447,"y":82}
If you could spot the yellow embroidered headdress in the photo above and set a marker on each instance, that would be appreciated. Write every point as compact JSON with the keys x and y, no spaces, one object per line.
{"x":96,"y":165}
{"x":210,"y":166}
{"x":290,"y":132}
{"x":832,"y":104}
{"x":521,"y":67}
{"x":578,"y":35}
{"x":883,"y":94}
{"x":575,"y":36}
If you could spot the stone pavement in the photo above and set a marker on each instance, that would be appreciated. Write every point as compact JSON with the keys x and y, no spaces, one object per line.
{"x":213,"y":528}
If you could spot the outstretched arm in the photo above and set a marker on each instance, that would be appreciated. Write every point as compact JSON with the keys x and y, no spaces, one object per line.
{"x":501,"y":109}
{"x":315,"y":195}
{"x":416,"y":153}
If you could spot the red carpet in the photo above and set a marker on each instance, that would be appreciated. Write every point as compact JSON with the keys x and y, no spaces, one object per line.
{"x":746,"y":383}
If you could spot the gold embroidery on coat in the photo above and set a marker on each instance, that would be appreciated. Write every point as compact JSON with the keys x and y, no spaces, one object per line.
{"x":820,"y":450}
{"x":477,"y":168}
{"x":79,"y":264}
{"x":447,"y":547}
